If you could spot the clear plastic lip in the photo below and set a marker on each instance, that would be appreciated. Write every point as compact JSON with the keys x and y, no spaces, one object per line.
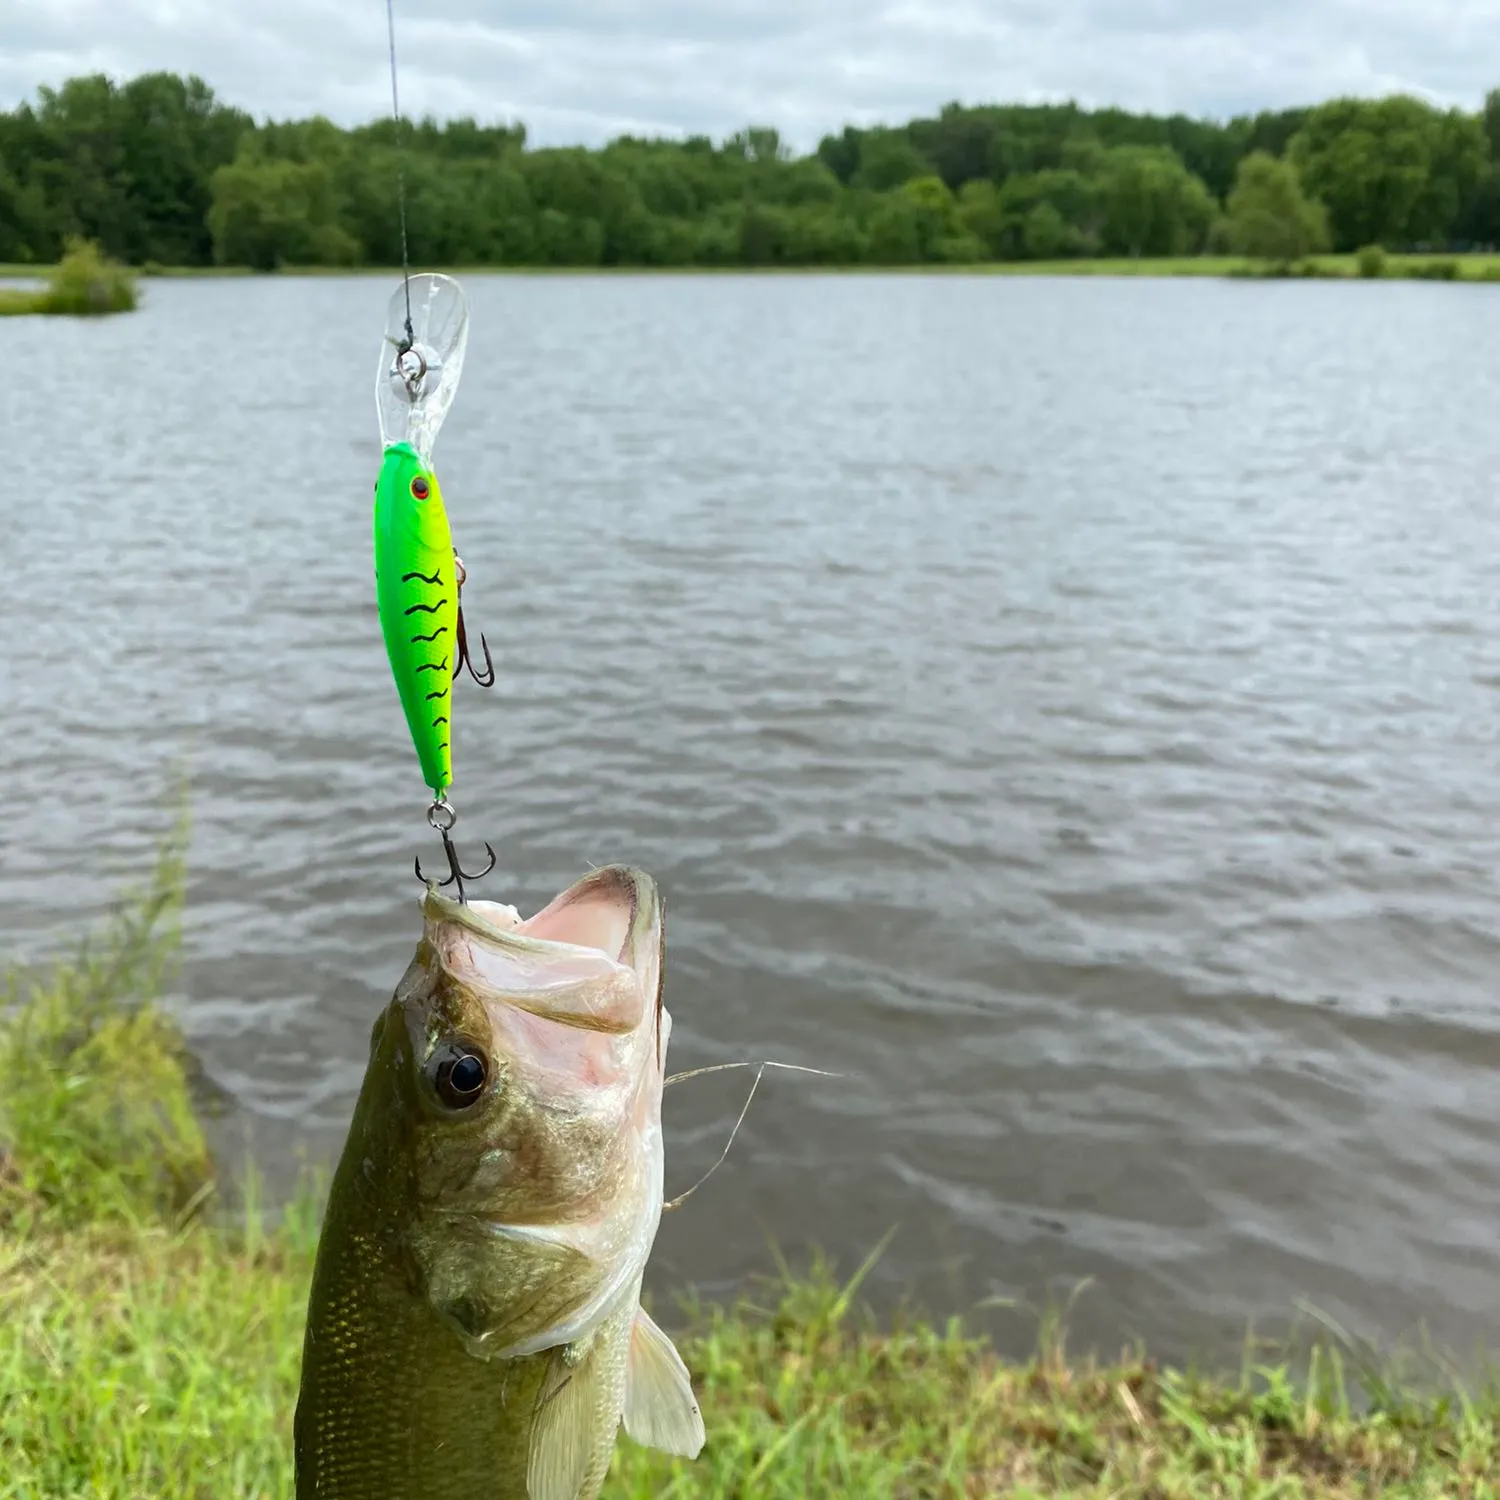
{"x":413,"y":390}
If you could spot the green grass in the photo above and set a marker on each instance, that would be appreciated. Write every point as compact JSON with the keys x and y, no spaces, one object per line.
{"x":83,"y":284}
{"x":1475,"y":267}
{"x":97,"y":1125}
{"x":165,"y":1364}
{"x":149,"y":1339}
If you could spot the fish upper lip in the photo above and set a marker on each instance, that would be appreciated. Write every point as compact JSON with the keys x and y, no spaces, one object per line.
{"x":436,"y":906}
{"x":640,"y":886}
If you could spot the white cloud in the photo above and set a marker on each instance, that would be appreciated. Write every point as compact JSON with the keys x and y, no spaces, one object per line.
{"x":583,"y":70}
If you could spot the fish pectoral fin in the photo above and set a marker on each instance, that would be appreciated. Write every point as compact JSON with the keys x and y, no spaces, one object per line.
{"x":660,"y":1408}
{"x":563,"y":1436}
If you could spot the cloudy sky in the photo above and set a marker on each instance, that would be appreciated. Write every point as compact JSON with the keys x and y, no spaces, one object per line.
{"x":584,"y":70}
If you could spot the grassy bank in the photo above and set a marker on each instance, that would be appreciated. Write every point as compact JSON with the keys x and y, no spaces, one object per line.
{"x":83,"y":284}
{"x":1484,"y":268}
{"x":149,"y":1342}
{"x":1469,"y":268}
{"x":165,"y":1365}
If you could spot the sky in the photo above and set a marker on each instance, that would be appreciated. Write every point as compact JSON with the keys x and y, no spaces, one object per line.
{"x":583,"y":71}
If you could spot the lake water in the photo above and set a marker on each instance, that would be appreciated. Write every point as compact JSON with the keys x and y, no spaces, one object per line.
{"x":1069,"y":709}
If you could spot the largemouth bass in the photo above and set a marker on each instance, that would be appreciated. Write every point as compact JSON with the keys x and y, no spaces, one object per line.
{"x":474,"y":1327}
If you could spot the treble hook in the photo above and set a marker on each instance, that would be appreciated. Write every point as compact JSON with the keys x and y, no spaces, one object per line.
{"x":464,"y":659}
{"x":441,"y":816}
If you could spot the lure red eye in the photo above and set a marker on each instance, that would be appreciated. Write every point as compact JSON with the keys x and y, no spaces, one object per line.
{"x":419,"y":488}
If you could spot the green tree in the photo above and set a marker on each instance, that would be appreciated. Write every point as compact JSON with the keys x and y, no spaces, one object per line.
{"x":505,"y":215}
{"x":366,"y":182}
{"x":757,"y":143}
{"x":1479,"y":221}
{"x":765,"y":235}
{"x":157,"y":168}
{"x":895,"y":232}
{"x":1270,"y":131}
{"x":717,"y":236}
{"x":81,"y":166}
{"x":268,"y":214}
{"x":1394,"y":172}
{"x":173,"y":136}
{"x":666,"y":188}
{"x":1045,"y":234}
{"x":821,"y":236}
{"x":26,"y":233}
{"x":887,"y":159}
{"x":569,"y":239}
{"x":1269,"y":217}
{"x":1075,"y":201}
{"x":1491,"y":118}
{"x":958,"y":143}
{"x":840,"y":154}
{"x":982,"y":215}
{"x":1150,"y":204}
{"x":796,"y":183}
{"x":933,"y":211}
{"x":942,"y":235}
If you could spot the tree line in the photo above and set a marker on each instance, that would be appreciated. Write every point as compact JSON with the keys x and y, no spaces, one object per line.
{"x":158,"y":170}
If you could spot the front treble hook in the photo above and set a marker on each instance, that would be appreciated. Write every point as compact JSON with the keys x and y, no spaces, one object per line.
{"x":463,"y":658}
{"x":442,"y":817}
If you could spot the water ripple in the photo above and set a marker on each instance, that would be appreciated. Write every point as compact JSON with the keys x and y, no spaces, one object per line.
{"x":1069,"y":710}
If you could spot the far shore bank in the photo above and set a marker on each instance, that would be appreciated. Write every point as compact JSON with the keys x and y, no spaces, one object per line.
{"x":1470,"y":267}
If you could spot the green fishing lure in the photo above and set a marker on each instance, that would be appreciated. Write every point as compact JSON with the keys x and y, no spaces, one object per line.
{"x":416,"y":587}
{"x":418,"y":576}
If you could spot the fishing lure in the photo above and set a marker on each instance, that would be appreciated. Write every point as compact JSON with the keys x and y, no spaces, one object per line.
{"x":416,"y":585}
{"x":418,"y":574}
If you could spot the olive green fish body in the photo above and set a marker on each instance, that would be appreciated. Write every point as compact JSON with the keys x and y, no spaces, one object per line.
{"x":392,"y":1406}
{"x":416,"y":589}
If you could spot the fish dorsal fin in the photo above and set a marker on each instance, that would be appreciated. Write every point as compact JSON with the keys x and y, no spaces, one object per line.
{"x":660,"y":1408}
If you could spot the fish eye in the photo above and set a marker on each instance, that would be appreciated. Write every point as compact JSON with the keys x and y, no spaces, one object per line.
{"x":459,"y":1073}
{"x":419,"y":488}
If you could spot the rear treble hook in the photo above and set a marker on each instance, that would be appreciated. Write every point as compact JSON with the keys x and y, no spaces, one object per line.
{"x":464,"y":659}
{"x":442,"y":816}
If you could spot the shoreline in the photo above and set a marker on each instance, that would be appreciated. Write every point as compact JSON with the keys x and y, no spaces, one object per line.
{"x":1469,"y":268}
{"x":151,"y":1344}
{"x":164,"y":1361}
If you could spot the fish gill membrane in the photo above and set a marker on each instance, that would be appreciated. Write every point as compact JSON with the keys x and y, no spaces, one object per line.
{"x":475,"y":1328}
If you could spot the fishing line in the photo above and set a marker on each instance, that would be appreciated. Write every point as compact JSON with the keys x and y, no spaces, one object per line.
{"x":390,"y":21}
{"x":726,"y":1067}
{"x":413,"y":541}
{"x":760,"y":1069}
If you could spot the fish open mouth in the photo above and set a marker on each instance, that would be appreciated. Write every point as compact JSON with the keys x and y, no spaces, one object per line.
{"x":605,"y":923}
{"x":598,"y":911}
